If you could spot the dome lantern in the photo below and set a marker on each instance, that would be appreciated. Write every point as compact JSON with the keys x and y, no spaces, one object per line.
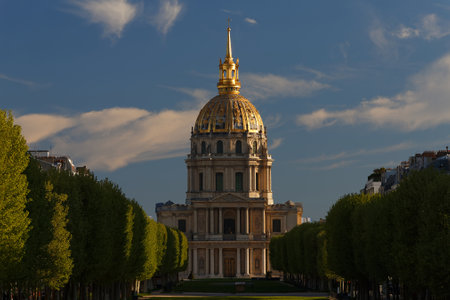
{"x":229,"y":72}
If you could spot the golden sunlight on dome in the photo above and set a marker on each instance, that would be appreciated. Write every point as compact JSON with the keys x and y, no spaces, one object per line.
{"x":228,"y":113}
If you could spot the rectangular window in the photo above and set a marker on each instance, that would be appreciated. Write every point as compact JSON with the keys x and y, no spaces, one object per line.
{"x":219,"y":182}
{"x":239,"y":182}
{"x":257,"y":181}
{"x":200,"y":182}
{"x":182,"y":225}
{"x":276,"y":225}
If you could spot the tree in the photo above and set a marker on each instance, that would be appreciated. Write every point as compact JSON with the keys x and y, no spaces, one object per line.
{"x":48,"y":257}
{"x":14,"y":221}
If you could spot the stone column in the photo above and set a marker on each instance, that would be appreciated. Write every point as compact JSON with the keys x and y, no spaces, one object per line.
{"x":263,"y":221}
{"x":220,"y":221}
{"x":211,"y":220}
{"x":211,"y":256}
{"x":195,"y":265}
{"x":191,"y":264}
{"x":249,"y":176}
{"x":254,"y":178}
{"x":238,"y":221}
{"x":247,"y":262}
{"x":189,"y":179}
{"x":264,"y":261}
{"x":238,"y":262}
{"x":220,"y":263}
{"x":207,"y":262}
{"x":206,"y":221}
{"x":195,"y":220}
{"x":269,"y":265}
{"x":246,"y":220}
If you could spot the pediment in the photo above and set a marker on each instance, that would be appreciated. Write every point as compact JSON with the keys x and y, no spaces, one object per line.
{"x":229,"y":197}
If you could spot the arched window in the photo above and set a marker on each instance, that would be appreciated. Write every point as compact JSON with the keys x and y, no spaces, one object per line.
{"x":220,"y":147}
{"x":255,"y":147}
{"x":224,"y":74}
{"x":238,"y":147}
{"x":232,"y":74}
{"x":203,"y":148}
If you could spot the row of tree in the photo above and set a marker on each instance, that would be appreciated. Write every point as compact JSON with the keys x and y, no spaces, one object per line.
{"x":74,"y":236}
{"x":382,"y":245}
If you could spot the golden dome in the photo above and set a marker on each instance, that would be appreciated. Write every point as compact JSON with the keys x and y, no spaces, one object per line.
{"x":228,"y":113}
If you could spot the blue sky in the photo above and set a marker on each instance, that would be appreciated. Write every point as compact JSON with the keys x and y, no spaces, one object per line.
{"x":343,"y":86}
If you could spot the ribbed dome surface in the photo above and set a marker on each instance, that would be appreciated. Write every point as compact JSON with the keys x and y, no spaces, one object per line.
{"x":228,"y":113}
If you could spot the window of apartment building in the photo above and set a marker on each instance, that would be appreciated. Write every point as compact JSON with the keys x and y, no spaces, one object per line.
{"x":182,"y":225}
{"x":200,"y":181}
{"x":276,"y":225}
{"x":239,"y":181}
{"x":219,"y":182}
{"x":220,"y":147}
{"x":238,"y":147}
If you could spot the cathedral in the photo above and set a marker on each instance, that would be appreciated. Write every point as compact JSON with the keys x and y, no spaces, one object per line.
{"x":229,"y":215}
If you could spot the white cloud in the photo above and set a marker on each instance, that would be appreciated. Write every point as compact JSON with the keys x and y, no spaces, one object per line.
{"x":27,"y":83}
{"x":431,"y":27}
{"x":112,"y":138}
{"x":36,"y":127}
{"x":263,"y":86}
{"x":426,"y":105}
{"x":250,"y":20}
{"x":169,"y":11}
{"x":276,"y":143}
{"x":113,"y":15}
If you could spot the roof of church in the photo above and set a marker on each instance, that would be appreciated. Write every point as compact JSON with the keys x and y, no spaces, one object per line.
{"x":229,"y":111}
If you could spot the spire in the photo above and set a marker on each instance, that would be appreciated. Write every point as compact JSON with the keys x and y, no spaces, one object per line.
{"x":229,"y":71}
{"x":229,"y":53}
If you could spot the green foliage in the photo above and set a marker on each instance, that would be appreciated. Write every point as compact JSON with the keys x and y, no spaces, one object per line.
{"x":58,"y":249}
{"x":14,"y":221}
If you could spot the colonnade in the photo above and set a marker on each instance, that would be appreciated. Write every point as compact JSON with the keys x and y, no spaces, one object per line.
{"x":212,"y":267}
{"x":211,"y":225}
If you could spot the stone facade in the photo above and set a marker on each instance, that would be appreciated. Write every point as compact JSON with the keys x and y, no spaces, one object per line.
{"x":229,"y":215}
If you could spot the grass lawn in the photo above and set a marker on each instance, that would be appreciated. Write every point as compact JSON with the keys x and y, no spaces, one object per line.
{"x":228,"y":286}
{"x":241,"y":297}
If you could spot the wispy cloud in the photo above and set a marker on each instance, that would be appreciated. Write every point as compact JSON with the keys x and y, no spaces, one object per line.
{"x":264,"y":86}
{"x":424,"y":106}
{"x":112,"y":15}
{"x":30,"y":84}
{"x":382,"y":39}
{"x":344,"y":155}
{"x":112,"y":138}
{"x":273,"y":121}
{"x":201,"y":95}
{"x":336,"y":165}
{"x":250,"y":20}
{"x":276,"y":143}
{"x":169,"y":11}
{"x":430,"y":27}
